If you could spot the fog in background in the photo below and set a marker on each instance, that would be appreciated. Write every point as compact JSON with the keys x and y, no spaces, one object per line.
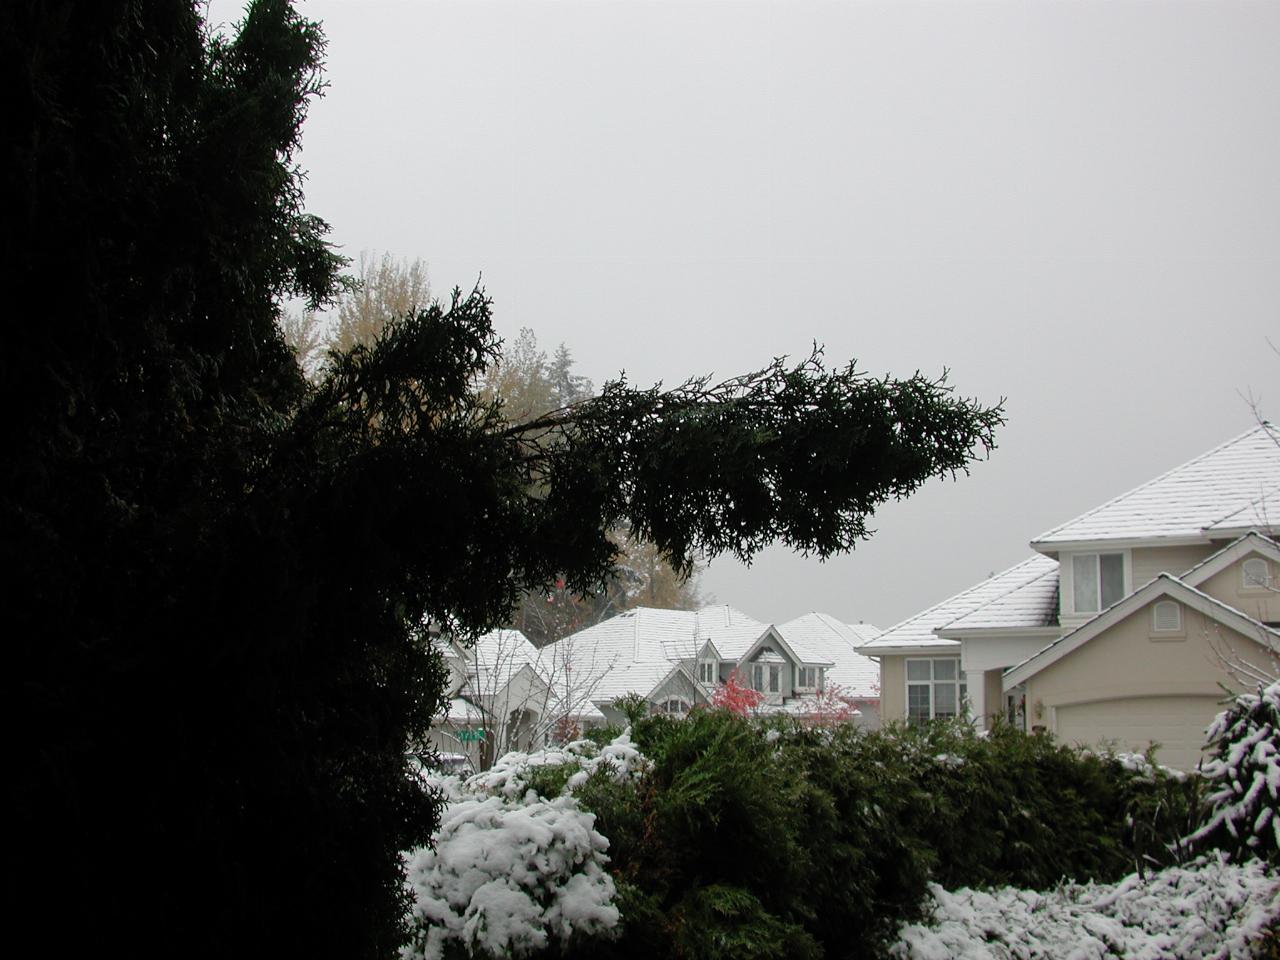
{"x":1073,"y":206}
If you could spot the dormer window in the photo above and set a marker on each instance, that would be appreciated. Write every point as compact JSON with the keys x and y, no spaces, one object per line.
{"x":707,"y":672}
{"x":1256,"y":574}
{"x":1097,"y":581}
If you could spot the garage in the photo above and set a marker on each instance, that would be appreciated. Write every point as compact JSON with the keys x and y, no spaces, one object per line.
{"x":1176,"y":723}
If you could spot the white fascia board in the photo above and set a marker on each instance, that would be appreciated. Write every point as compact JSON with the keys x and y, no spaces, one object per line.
{"x":1222,"y":533}
{"x":965,"y":633}
{"x":912,"y":649}
{"x":1250,"y":543}
{"x":703,"y":654}
{"x":1163,"y":585}
{"x":1052,"y":548}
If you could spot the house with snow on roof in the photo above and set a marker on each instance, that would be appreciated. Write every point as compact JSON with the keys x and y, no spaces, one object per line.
{"x":1124,"y":624}
{"x":675,"y":659}
{"x":499,"y":697}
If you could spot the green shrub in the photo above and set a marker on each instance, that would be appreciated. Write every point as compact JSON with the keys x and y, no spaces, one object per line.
{"x":769,"y":839}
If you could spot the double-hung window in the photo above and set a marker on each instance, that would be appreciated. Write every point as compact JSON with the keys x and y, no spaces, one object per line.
{"x":1097,"y":581}
{"x":935,"y":689}
{"x":707,"y":671}
{"x":757,"y":676}
{"x":775,"y":677}
{"x":806,"y":677}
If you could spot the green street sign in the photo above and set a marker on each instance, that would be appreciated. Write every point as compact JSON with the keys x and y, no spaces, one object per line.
{"x":471,"y":736}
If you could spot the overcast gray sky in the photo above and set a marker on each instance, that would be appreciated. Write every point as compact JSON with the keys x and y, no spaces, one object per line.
{"x":1075,"y":206}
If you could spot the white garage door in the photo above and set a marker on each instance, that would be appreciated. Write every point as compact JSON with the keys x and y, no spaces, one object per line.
{"x":1177,"y":724}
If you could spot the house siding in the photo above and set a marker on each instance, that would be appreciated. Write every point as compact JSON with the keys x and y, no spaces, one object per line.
{"x":1150,"y":562}
{"x":893,"y":689}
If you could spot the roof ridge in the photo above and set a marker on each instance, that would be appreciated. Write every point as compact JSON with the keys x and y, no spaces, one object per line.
{"x":1264,"y":425}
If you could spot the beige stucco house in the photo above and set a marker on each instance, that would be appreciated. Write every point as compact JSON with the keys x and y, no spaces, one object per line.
{"x":1125,"y":624}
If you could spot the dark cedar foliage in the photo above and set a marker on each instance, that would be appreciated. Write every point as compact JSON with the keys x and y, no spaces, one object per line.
{"x":213,"y":626}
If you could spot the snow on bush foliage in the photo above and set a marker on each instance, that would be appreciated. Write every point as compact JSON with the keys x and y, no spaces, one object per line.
{"x":509,"y":776}
{"x":1244,"y":777}
{"x":1210,"y":909}
{"x":511,"y":872}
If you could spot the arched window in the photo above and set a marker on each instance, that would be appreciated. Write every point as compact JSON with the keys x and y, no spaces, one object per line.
{"x":675,"y":706}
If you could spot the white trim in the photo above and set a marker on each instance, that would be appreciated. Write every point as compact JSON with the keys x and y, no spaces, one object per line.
{"x":1054,"y":549}
{"x":1163,"y":585}
{"x":979,"y":633}
{"x":959,"y":680}
{"x":939,"y":648}
{"x":1067,"y":581}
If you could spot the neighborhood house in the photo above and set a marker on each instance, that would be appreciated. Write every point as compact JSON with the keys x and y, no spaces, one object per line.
{"x":1126,"y":623}
{"x":504,"y":693}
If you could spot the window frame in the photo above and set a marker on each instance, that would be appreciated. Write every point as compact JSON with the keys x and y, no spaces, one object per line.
{"x":1097,"y":555}
{"x":712,"y":668}
{"x":958,"y":682}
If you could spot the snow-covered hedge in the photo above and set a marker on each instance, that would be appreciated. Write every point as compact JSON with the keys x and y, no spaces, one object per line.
{"x":1210,"y":908}
{"x":1243,"y":778}
{"x":510,"y":871}
{"x":511,"y":775}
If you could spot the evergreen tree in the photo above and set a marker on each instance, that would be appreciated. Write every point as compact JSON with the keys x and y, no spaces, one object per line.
{"x":218,"y":570}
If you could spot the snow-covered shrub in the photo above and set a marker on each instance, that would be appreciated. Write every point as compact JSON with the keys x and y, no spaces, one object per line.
{"x":1210,"y":909}
{"x":515,"y":773}
{"x":517,"y":864}
{"x":506,"y":878}
{"x":1243,"y":777}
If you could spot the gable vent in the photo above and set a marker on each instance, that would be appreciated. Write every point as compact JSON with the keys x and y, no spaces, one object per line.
{"x":1256,"y":575}
{"x":1167,"y":616}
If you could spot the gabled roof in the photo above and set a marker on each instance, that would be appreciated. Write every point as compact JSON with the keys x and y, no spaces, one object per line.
{"x":1213,"y":495}
{"x":495,"y":658}
{"x":1163,"y":585}
{"x":1251,"y":543}
{"x":635,"y":651}
{"x":918,"y":632}
{"x":1031,"y":606}
{"x":819,"y":638}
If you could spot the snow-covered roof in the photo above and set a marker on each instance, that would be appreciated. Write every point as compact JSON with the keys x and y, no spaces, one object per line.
{"x":1217,"y":494}
{"x":636,"y":650}
{"x":460,"y":712}
{"x":1029,"y":605}
{"x":819,"y":638}
{"x":919,"y":630}
{"x":496,"y":657}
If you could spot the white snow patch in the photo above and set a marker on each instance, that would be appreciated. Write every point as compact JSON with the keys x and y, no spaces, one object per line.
{"x":1210,"y":909}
